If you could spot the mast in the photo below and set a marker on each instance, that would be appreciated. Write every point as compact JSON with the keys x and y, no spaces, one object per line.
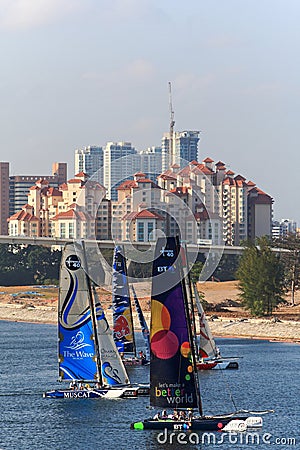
{"x":188,"y":283}
{"x":93,"y":316}
{"x":190,"y":318}
{"x":207,"y":346}
{"x":77,"y":353}
{"x":122,"y":309}
{"x":172,"y":124}
{"x":143,"y":323}
{"x":173,"y":373}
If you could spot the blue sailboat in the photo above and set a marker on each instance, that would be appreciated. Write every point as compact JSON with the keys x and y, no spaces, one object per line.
{"x":123,"y":326}
{"x":88,"y":358}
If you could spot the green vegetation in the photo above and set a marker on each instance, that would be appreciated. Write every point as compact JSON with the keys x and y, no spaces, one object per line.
{"x":290,"y":257}
{"x":261,"y":278}
{"x":20,"y":265}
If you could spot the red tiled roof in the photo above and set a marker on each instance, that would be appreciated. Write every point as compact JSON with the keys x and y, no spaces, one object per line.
{"x":81,"y":174}
{"x":75,"y":180}
{"x":220,"y":163}
{"x":208,"y":160}
{"x":229,"y":172}
{"x":240,"y":177}
{"x":23,"y":216}
{"x":185,"y":171}
{"x":167,"y":175}
{"x":228,"y":181}
{"x":128,"y":184}
{"x":144,"y":214}
{"x":72,"y":214}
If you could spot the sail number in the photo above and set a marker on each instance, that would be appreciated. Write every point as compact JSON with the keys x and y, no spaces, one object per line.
{"x":73,"y":262}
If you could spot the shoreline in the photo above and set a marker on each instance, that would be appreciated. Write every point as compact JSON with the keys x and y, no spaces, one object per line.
{"x":287,"y":331}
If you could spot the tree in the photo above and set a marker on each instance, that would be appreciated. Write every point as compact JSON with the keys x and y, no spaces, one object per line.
{"x":261,"y":278}
{"x":227,"y":268}
{"x":291,"y":262}
{"x":195,"y":271}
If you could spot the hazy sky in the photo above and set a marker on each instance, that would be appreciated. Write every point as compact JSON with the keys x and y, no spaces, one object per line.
{"x":84,"y":72}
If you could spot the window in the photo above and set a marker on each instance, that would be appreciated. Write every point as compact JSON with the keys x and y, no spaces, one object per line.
{"x":150,"y":229}
{"x":62,"y":230}
{"x":71,"y":230}
{"x":140,"y":234}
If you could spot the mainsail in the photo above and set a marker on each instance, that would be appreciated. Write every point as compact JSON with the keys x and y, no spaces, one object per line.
{"x":208,"y":348}
{"x":122,"y":313}
{"x":173,"y":374}
{"x":113,"y":371}
{"x":143,"y":324}
{"x":86,"y":348}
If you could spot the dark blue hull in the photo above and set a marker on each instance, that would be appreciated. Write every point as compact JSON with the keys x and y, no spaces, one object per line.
{"x":199,"y":424}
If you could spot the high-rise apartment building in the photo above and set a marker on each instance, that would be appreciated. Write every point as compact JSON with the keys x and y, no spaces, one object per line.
{"x":19,"y":185}
{"x":185,"y":145}
{"x":120,"y":163}
{"x":150,"y":162}
{"x":4,"y":197}
{"x":90,"y":161}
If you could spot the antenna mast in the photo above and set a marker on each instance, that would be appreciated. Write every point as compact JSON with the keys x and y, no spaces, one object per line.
{"x":172,"y":123}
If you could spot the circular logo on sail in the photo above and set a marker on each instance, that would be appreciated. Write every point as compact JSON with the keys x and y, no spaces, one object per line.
{"x":73,"y":262}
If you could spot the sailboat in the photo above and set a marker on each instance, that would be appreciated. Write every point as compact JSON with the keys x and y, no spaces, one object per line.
{"x":173,"y":371}
{"x":88,"y":358}
{"x":209,"y":356}
{"x":123,"y":326}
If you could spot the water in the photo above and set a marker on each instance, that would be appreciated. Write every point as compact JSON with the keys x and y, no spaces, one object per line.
{"x":268,"y":378}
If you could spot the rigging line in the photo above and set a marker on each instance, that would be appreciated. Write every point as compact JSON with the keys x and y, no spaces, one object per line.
{"x":228,"y":389}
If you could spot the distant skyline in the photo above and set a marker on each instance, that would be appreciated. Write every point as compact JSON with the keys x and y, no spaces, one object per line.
{"x":86,"y":72}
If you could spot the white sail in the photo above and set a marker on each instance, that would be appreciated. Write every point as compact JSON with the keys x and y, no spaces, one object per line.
{"x":208,"y":348}
{"x":113,"y":372}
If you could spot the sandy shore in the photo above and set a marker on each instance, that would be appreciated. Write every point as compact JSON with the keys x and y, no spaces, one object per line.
{"x":234,"y":323}
{"x":288,"y":331}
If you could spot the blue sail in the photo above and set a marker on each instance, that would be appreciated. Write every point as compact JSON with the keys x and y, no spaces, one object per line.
{"x":122,"y":313}
{"x":77,"y":352}
{"x":143,"y":324}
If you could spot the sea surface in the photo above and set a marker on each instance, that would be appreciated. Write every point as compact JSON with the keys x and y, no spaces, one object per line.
{"x":268,"y":378}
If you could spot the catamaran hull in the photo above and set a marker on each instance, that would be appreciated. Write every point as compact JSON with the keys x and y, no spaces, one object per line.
{"x":217,"y":365}
{"x":201,"y":424}
{"x":93,"y":393}
{"x":133,"y":391}
{"x":133,"y":362}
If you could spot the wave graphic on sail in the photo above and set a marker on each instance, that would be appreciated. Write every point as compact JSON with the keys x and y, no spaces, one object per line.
{"x":77,"y":342}
{"x":67,"y":317}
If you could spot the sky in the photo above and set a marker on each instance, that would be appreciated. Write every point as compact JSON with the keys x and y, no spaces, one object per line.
{"x":84,"y":72}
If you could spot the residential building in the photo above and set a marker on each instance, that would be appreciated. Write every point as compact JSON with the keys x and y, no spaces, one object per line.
{"x":150,"y":162}
{"x":185,"y":145}
{"x":120,"y":163}
{"x":19,"y":185}
{"x":4,"y":197}
{"x":227,"y":209}
{"x":70,"y":211}
{"x":283,"y":228}
{"x":136,"y":211}
{"x":90,"y":161}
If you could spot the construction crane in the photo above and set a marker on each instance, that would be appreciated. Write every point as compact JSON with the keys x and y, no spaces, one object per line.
{"x":172,"y":124}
